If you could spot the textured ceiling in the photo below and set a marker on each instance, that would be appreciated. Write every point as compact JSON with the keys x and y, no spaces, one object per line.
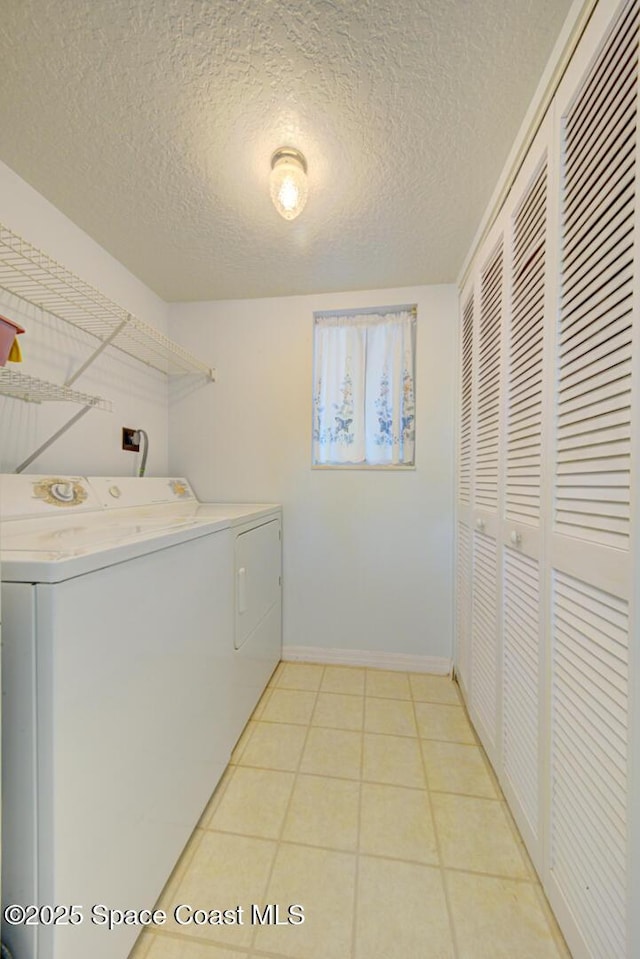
{"x":151,"y":124}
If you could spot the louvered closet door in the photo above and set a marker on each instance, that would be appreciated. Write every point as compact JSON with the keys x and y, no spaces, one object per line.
{"x":522,"y":625}
{"x":464,"y":474}
{"x":485,"y":640}
{"x":590,"y":803}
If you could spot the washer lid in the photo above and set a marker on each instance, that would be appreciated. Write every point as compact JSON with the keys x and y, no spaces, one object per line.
{"x":36,"y":551}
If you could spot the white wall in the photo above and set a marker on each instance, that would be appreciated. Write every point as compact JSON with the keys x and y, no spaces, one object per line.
{"x":367,"y":555}
{"x":52,"y":350}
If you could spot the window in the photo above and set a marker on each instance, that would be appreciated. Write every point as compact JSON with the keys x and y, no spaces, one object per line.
{"x":363,"y":392}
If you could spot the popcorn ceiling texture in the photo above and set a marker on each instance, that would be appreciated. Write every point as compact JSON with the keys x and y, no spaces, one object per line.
{"x":151,"y":124}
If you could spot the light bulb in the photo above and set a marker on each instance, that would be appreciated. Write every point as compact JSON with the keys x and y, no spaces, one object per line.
{"x":288,"y":182}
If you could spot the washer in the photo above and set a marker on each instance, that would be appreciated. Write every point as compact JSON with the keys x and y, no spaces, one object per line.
{"x":139,"y":629}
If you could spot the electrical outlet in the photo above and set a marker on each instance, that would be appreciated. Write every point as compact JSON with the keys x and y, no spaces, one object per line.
{"x":130,"y":440}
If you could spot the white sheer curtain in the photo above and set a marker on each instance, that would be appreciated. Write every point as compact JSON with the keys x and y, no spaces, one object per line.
{"x":363,"y":402}
{"x":338,"y":403}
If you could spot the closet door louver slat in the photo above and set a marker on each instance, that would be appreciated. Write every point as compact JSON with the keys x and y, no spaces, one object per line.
{"x":599,"y":331}
{"x":604,"y":78}
{"x":526,"y":333}
{"x":464,"y":545}
{"x":547,"y":596}
{"x":487,"y":433}
{"x":466,"y":387}
{"x":589,"y":759}
{"x":617,"y":144}
{"x":484,"y":634}
{"x":463,"y":599}
{"x":595,"y":330}
{"x":614,"y":214}
{"x":521,"y":637}
{"x":526,"y":260}
{"x":592,"y":468}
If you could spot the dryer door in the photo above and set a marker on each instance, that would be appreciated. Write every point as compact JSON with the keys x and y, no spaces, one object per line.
{"x":257,"y":568}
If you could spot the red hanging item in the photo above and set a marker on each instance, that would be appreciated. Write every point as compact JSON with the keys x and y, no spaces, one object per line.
{"x":9,"y":330}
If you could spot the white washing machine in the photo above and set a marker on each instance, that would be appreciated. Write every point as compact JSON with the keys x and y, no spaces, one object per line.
{"x":139,"y":629}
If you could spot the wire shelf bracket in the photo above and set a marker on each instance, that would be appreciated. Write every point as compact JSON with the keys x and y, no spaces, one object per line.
{"x":20,"y":386}
{"x":41,"y":281}
{"x":37,"y":279}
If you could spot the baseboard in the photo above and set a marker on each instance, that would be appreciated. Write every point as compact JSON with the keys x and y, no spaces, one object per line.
{"x":367,"y":657}
{"x":456,"y":676}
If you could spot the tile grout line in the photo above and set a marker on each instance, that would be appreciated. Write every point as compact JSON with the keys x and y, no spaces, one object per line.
{"x":389,"y":857}
{"x":181,"y":867}
{"x":210,"y":944}
{"x":445,"y":890}
{"x":519,"y":840}
{"x":279,"y":841}
{"x":559,"y":941}
{"x":370,"y":732}
{"x":226,"y":779}
{"x":251,"y":951}
{"x":356,"y":882}
{"x":532,"y":879}
{"x":502,"y":799}
{"x":296,"y":773}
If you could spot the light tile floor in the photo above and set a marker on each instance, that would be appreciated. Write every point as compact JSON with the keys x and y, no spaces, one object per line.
{"x":364,"y":796}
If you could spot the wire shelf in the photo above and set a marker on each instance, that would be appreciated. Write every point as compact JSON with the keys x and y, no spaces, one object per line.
{"x":21,"y":386}
{"x":41,"y":281}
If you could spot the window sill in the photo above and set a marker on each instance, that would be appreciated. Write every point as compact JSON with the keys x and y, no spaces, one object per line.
{"x":400,"y":468}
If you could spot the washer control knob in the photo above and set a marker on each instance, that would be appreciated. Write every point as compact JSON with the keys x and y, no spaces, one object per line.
{"x":115,"y":491}
{"x":62,"y":491}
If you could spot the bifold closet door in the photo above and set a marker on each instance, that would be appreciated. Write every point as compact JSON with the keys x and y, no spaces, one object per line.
{"x":526,"y":348}
{"x":590,"y":807}
{"x":464,"y":475}
{"x":486,"y":559}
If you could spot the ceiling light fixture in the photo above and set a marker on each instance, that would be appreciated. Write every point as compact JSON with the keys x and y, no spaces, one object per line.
{"x":288,"y":182}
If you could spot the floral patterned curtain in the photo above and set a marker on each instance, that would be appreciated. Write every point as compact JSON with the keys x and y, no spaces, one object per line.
{"x":363,"y":401}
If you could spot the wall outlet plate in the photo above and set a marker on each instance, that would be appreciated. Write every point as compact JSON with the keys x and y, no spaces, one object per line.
{"x":129,"y":438}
